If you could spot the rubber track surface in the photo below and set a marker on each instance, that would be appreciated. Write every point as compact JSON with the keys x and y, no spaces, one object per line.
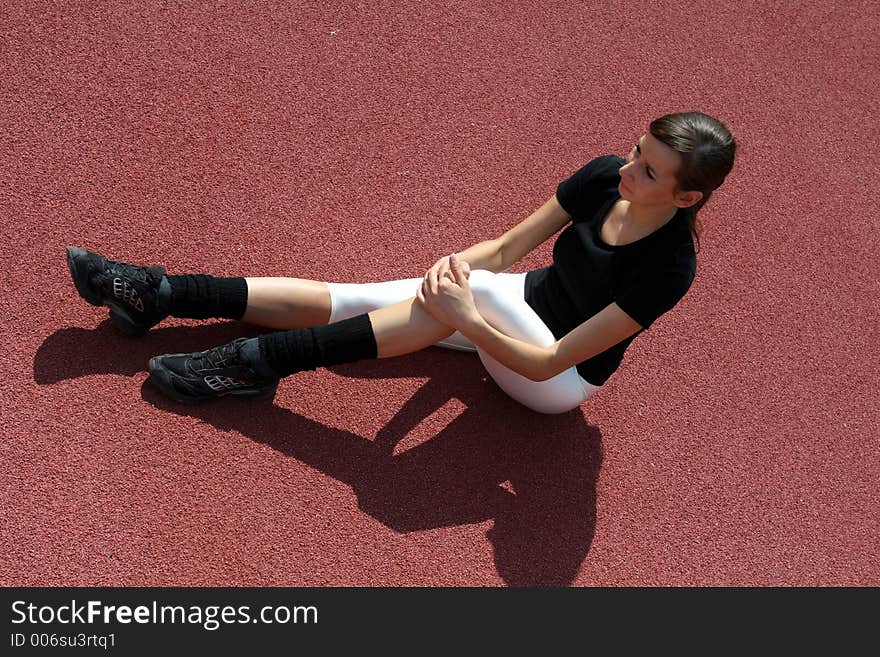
{"x":353,"y":142}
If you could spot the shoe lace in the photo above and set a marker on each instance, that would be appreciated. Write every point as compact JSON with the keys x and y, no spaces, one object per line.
{"x":222,"y":356}
{"x":128,"y":270}
{"x":148,"y":275}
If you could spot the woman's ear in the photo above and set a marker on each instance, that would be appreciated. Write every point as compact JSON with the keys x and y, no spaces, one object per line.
{"x":687,"y":199}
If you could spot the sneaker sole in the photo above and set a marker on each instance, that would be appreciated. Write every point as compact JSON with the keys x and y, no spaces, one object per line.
{"x":161,"y":378}
{"x":124,"y":321}
{"x":76,"y":263}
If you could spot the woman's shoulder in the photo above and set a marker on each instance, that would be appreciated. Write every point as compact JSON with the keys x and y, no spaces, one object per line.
{"x":597,"y":178}
{"x":601,"y":166}
{"x":673,"y":248}
{"x":609,"y":160}
{"x":680,"y":255}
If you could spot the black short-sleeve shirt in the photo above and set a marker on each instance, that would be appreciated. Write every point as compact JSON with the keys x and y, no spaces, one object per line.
{"x":645,"y":278}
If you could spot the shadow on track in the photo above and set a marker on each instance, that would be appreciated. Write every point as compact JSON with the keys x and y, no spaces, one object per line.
{"x":543,"y":529}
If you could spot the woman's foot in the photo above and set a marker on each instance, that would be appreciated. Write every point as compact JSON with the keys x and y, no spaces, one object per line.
{"x":131,"y":292}
{"x":231,"y":369}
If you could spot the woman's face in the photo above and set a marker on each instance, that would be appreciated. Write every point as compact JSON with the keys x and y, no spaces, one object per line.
{"x":648,"y":177}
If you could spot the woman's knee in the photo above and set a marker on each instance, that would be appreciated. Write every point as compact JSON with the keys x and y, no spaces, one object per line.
{"x":482,"y":287}
{"x":495,"y":300}
{"x":500,"y":300}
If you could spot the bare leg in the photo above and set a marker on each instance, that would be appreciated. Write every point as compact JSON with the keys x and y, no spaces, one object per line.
{"x":285,"y":303}
{"x":405,"y":327}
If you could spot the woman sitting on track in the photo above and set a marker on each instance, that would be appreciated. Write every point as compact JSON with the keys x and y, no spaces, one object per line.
{"x":549,"y":337}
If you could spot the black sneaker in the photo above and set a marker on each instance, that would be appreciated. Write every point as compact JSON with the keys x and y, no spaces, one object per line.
{"x":207,"y":375}
{"x":131,"y":292}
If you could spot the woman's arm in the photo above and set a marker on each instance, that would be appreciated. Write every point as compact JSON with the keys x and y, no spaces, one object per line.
{"x":452,"y":303}
{"x":531,"y":232}
{"x":600,"y":332}
{"x":498,"y":254}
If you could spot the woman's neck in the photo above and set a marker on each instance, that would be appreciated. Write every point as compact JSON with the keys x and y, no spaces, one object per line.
{"x":646,"y":219}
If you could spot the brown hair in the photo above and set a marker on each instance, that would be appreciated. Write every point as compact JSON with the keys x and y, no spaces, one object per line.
{"x":707,"y":150}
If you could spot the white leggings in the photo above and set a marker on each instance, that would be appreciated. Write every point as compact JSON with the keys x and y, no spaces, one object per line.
{"x":500,"y":298}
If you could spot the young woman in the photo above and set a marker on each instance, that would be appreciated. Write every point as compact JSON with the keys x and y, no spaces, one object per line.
{"x":550,"y":337}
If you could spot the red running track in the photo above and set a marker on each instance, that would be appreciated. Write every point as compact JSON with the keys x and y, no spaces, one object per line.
{"x":737,"y":445}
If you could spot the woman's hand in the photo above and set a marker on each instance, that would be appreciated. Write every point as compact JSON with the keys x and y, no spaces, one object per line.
{"x":440,"y":270}
{"x":447,"y":295}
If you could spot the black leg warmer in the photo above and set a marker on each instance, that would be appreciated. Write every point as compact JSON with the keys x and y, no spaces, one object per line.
{"x":286,"y":352}
{"x":199,"y":296}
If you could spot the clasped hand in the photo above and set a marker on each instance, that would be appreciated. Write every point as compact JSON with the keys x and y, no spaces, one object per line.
{"x":446,"y":293}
